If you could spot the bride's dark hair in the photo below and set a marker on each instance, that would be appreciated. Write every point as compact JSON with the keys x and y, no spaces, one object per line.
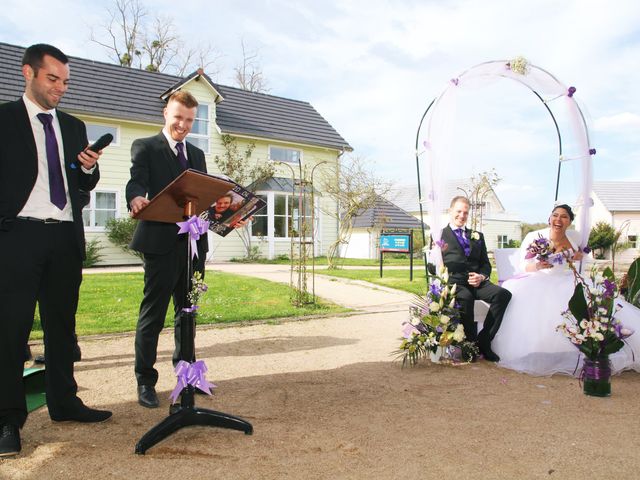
{"x":566,"y":207}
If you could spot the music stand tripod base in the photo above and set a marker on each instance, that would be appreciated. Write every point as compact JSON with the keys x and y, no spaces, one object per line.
{"x":188,"y":414}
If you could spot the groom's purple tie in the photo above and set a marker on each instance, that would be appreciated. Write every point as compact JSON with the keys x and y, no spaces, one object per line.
{"x":57,"y":193}
{"x":463,"y":241}
{"x":181,"y":158}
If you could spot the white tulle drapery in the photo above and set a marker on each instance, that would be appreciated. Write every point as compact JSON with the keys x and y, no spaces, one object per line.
{"x":437,"y":138}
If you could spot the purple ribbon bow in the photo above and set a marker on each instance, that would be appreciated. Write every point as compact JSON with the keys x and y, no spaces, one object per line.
{"x":195,"y":227}
{"x":191,"y":374}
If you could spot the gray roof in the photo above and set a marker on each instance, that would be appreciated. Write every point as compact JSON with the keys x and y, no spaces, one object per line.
{"x":406,"y":196}
{"x":117,"y":92}
{"x":618,"y":196}
{"x":386,"y":215}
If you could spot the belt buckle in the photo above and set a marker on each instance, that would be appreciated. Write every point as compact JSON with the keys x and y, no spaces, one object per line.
{"x":50,"y":220}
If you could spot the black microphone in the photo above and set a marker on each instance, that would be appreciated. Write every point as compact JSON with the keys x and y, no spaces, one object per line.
{"x":96,"y":146}
{"x":101,"y":143}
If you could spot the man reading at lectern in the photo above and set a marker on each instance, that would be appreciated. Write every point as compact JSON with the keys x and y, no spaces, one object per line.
{"x":155,"y":162}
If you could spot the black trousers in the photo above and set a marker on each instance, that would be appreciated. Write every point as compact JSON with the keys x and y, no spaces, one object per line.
{"x":165,"y":277}
{"x":498,"y":299}
{"x":38,"y":263}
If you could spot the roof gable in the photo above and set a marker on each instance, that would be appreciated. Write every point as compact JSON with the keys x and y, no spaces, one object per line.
{"x":384,"y":214}
{"x":112,"y":91}
{"x":618,"y":196}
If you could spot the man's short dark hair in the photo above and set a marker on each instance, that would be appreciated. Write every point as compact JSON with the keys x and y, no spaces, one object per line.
{"x":34,"y":55}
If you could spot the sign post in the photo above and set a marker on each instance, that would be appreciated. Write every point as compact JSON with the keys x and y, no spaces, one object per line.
{"x":397,"y":242}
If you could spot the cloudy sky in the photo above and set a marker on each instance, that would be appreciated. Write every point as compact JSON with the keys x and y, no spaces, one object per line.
{"x":372,"y":67}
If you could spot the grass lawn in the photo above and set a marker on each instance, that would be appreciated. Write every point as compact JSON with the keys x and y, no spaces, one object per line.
{"x":398,"y":279}
{"x":109,"y":302}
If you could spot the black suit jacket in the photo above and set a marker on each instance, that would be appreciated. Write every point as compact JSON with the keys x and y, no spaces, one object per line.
{"x":460,"y":265}
{"x":19,"y":163}
{"x":153,"y":167}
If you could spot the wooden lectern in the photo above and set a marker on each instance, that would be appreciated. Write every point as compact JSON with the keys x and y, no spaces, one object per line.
{"x":190,"y":194}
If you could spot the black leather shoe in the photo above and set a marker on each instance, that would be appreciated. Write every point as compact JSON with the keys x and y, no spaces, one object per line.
{"x":489,"y":354}
{"x":9,"y":440}
{"x":147,"y":396}
{"x":83,"y":414}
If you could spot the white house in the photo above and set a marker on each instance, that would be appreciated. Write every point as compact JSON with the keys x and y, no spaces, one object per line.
{"x":618,"y":203}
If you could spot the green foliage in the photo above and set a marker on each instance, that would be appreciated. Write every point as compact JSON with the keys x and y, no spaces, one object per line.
{"x":632,"y":284}
{"x":237,"y":298}
{"x":602,"y":237}
{"x":120,"y":232}
{"x":93,"y":249}
{"x":514,"y":243}
{"x":237,"y":165}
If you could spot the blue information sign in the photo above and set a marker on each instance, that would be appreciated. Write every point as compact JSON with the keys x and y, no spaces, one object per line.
{"x":394,"y":243}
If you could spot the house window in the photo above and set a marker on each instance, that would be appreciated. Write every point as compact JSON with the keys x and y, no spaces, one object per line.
{"x":633,"y":241}
{"x":288,"y":155}
{"x":503,"y":241}
{"x":199,"y":135}
{"x":282,"y":214}
{"x":96,"y":130}
{"x":101,"y":208}
{"x":260,"y":224}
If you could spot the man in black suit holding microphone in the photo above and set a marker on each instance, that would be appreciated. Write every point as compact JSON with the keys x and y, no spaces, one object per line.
{"x":44,"y":164}
{"x":465,"y":255}
{"x":155,"y":162}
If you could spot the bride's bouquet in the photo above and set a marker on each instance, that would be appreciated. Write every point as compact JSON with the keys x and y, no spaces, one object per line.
{"x":542,"y":249}
{"x":435,"y":324}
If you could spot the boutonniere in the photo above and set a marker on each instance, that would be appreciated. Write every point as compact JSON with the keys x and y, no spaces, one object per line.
{"x":475,"y":236}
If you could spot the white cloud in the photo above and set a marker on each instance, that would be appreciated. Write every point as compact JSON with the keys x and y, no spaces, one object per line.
{"x":625,"y":122}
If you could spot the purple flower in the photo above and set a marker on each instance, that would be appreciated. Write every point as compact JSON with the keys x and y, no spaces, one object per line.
{"x":571,"y":91}
{"x":440,"y":243}
{"x":454,"y":81}
{"x":592,"y":151}
{"x":586,"y":249}
{"x":435,"y":290}
{"x":609,"y":288}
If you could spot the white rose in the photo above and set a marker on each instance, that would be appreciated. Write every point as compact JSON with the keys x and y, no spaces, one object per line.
{"x":444,"y":319}
{"x":458,"y":335}
{"x":434,"y":307}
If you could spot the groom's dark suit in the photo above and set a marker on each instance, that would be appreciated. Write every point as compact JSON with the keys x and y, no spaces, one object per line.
{"x":38,"y":262}
{"x":459,"y":266}
{"x":155,"y":165}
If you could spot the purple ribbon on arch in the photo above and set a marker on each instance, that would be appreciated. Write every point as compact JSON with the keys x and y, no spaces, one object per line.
{"x":194,"y":226}
{"x":191,"y":374}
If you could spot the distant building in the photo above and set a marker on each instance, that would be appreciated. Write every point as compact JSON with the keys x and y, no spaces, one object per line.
{"x":128,"y":103}
{"x":368,"y":225}
{"x":617,"y":203}
{"x":498,"y":226}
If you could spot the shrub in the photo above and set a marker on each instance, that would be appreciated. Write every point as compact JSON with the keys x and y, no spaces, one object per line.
{"x":120,"y":232}
{"x":93,"y":249}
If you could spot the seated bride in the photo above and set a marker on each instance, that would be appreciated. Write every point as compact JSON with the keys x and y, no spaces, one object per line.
{"x":528,"y":340}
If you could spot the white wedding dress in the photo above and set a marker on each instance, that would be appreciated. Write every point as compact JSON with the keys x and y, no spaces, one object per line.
{"x":527,"y":340}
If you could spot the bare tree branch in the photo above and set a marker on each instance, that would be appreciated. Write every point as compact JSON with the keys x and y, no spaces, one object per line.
{"x":248,"y":75}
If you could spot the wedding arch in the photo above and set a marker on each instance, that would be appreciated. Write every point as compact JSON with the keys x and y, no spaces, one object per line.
{"x":433,"y":154}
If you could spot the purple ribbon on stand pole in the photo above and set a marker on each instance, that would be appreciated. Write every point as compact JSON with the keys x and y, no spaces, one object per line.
{"x":194,"y":226}
{"x":191,"y":374}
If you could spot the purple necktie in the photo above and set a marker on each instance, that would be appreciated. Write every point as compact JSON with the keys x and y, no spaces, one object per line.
{"x":463,"y":241}
{"x":181,"y":158}
{"x":57,"y":192}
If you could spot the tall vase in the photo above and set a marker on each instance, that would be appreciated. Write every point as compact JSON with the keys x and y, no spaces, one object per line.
{"x":596,"y":376}
{"x":437,"y":356}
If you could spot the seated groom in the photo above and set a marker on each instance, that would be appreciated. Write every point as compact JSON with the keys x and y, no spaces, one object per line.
{"x":464,"y":253}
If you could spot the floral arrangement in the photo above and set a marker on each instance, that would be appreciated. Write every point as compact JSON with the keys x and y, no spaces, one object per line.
{"x":434,"y":322}
{"x":198,"y":288}
{"x":542,"y":249}
{"x":590,"y":319}
{"x":475,"y":236}
{"x":519,"y":65}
